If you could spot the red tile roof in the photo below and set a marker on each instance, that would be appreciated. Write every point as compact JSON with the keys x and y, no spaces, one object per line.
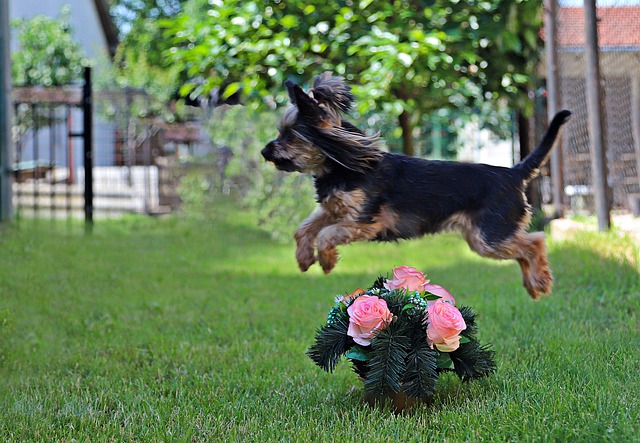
{"x":616,"y":26}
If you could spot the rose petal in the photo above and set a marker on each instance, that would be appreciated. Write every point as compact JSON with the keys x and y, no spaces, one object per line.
{"x":440,"y":292}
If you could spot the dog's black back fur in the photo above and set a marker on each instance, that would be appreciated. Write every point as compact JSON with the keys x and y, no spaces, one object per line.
{"x":428,"y":192}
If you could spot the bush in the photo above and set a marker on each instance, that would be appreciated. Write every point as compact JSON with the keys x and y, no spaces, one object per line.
{"x":48,"y":55}
{"x":278,"y":201}
{"x":282,"y":202}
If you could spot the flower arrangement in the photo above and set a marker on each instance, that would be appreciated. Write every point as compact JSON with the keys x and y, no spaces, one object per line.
{"x":400,"y":334}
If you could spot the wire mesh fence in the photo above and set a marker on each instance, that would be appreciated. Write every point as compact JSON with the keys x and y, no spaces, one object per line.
{"x":619,"y":49}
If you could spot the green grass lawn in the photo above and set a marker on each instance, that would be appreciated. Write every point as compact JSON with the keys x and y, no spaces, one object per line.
{"x":177,"y":330}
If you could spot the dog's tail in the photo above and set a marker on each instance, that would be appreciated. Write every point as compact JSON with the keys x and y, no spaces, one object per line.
{"x":530,"y":166}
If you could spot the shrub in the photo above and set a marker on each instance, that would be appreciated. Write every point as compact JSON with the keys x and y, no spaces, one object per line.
{"x":48,"y":55}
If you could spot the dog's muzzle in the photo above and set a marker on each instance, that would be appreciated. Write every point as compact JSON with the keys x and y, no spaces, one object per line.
{"x":267,"y":151}
{"x":283,"y":164}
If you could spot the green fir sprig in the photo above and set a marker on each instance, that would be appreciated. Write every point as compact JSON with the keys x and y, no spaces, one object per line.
{"x":331,"y":343}
{"x":388,"y":364}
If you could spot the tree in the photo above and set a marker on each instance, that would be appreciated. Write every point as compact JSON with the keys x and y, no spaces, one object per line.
{"x":139,"y":32}
{"x":407,"y":57}
{"x":140,"y":62}
{"x":48,"y":55}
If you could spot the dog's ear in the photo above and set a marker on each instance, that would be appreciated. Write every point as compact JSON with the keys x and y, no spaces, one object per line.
{"x":307,"y":106}
{"x":333,"y":92}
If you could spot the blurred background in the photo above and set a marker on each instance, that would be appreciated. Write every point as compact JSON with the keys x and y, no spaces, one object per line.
{"x":162,"y":106}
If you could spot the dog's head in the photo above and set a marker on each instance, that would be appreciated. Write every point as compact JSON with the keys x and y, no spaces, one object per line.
{"x":312,"y":135}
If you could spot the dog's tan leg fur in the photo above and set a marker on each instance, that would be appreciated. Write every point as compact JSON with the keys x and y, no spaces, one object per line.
{"x":306,"y":235}
{"x":536,"y":275}
{"x":341,"y":234}
{"x":529,"y":250}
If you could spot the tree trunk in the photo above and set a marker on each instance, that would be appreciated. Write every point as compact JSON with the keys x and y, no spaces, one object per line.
{"x":407,"y":133}
{"x":524,"y":136}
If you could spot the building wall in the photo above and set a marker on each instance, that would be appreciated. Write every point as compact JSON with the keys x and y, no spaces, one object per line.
{"x":84,"y":21}
{"x":49,"y":143}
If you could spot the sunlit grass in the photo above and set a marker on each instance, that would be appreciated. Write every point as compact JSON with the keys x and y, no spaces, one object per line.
{"x":182,"y":330}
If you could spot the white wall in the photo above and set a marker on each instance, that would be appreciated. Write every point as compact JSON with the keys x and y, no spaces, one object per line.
{"x":85,"y":22}
{"x":482,"y":146}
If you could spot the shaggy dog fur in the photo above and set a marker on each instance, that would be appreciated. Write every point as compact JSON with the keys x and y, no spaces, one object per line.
{"x":367,"y":194}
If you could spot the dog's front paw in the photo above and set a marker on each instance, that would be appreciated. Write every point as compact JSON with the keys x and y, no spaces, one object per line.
{"x":328,"y":259}
{"x":305,"y":257}
{"x":305,"y":250}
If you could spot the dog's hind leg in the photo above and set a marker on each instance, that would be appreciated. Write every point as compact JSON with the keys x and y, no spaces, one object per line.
{"x":529,"y":250}
{"x":536,"y":275}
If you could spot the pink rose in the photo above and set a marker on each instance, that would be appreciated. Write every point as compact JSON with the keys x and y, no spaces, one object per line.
{"x":367,"y":315}
{"x":406,"y":277}
{"x":440,"y":292}
{"x":445,"y":323}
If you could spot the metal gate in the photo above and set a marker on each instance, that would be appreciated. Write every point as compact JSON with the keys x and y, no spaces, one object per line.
{"x":52,"y":135}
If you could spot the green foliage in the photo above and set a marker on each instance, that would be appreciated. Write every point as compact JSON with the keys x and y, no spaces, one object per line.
{"x":469,"y":316}
{"x":419,"y":379}
{"x":152,"y":88}
{"x":140,"y":33}
{"x":140,"y":64}
{"x":279,"y":201}
{"x":197,"y":195}
{"x":48,"y":55}
{"x":402,"y":56}
{"x":288,"y":200}
{"x":331,"y":342}
{"x":472,"y":361}
{"x":388,"y":364}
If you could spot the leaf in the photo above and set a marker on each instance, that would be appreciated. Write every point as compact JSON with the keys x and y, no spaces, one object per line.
{"x":469,"y":316}
{"x":379,"y":283}
{"x":230,"y":90}
{"x":444,"y":361}
{"x":186,"y":89}
{"x":520,"y":78}
{"x":359,"y":353}
{"x":289,"y":21}
{"x":365,"y":3}
{"x":432,"y":41}
{"x":429,"y":296}
{"x":473,"y":361}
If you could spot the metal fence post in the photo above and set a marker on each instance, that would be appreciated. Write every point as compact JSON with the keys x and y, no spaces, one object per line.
{"x":87,"y":108}
{"x":635,"y":126}
{"x":6,"y":152}
{"x":594,"y":107}
{"x":553,"y":101}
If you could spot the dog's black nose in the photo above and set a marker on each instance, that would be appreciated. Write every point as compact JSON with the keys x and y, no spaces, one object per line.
{"x":267,"y":151}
